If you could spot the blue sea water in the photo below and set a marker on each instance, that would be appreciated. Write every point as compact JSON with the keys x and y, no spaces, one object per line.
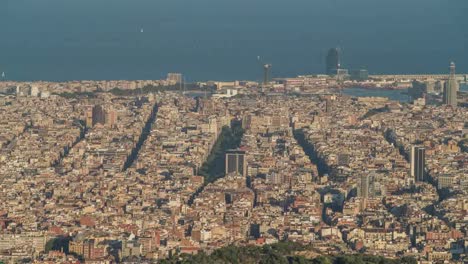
{"x":396,"y":95}
{"x":221,"y":39}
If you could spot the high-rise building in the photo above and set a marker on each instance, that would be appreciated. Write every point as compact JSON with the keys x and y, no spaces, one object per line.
{"x":235,"y":162}
{"x":89,"y":116}
{"x":451,"y":88}
{"x":98,"y":115}
{"x":359,"y":75}
{"x":266,"y":73}
{"x":418,"y":163}
{"x":363,"y":188}
{"x":34,"y":91}
{"x":95,"y":115}
{"x":333,"y":61}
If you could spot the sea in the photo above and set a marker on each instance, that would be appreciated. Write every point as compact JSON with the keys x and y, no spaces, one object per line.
{"x":395,"y":95}
{"x":60,"y":40}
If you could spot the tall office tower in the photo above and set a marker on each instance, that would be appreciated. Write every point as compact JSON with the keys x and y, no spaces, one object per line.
{"x":89,"y":116}
{"x":418,"y":163}
{"x":266,"y":73}
{"x":451,"y":88}
{"x":235,"y":162}
{"x":363,"y":188}
{"x":34,"y":92}
{"x":266,"y":76}
{"x":99,"y":115}
{"x":333,"y":61}
{"x":95,"y":115}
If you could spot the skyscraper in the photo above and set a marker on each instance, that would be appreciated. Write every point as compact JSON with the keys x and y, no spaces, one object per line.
{"x":94,"y":115}
{"x":235,"y":162}
{"x":418,"y":163}
{"x":363,"y":188}
{"x":451,"y":88}
{"x":333,"y":61}
{"x":98,"y":115}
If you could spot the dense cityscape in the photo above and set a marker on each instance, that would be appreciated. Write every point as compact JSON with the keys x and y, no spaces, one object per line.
{"x":146,"y":171}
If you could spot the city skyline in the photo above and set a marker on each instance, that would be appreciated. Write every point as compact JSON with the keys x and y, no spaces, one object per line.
{"x":233,"y":132}
{"x":143,"y":172}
